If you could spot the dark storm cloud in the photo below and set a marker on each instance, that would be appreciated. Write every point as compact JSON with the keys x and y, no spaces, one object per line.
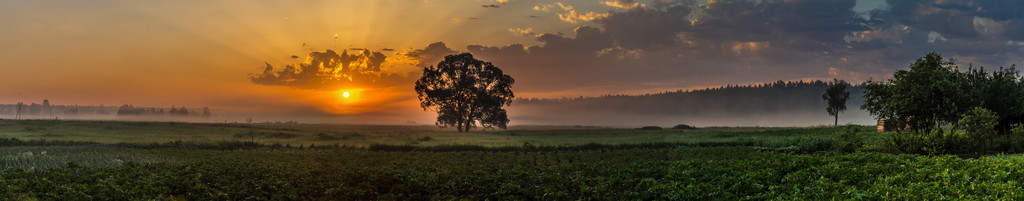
{"x":559,"y":61}
{"x":951,"y":19}
{"x":643,"y":28}
{"x":687,"y":43}
{"x":957,"y":19}
{"x":799,"y":25}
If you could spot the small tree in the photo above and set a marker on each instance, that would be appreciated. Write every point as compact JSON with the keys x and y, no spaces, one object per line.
{"x":980,"y":125}
{"x":464,"y":90}
{"x":835,"y":96}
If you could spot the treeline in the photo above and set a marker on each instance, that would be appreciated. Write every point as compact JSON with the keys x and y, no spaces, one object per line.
{"x":738,"y":104}
{"x":765,"y":97}
{"x":128,"y":109}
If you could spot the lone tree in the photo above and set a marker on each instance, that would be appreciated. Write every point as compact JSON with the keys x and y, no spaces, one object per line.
{"x":464,"y":90}
{"x":836,"y":96}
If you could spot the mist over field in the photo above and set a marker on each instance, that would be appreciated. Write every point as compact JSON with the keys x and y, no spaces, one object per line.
{"x":770,"y":104}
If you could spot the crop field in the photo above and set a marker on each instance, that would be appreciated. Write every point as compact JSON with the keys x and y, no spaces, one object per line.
{"x":112,"y":132}
{"x":185,"y":161}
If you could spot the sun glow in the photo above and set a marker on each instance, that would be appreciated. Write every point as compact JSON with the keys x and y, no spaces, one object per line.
{"x":345,"y":94}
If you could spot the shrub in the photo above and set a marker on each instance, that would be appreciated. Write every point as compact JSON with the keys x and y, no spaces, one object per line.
{"x":683,"y":126}
{"x":849,"y":139}
{"x":1013,"y":142}
{"x":812,"y":144}
{"x":980,"y":124}
{"x":936,"y":141}
{"x":650,"y":128}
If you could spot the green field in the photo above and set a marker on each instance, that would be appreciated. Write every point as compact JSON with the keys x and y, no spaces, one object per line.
{"x":110,"y":132}
{"x":93,"y":160}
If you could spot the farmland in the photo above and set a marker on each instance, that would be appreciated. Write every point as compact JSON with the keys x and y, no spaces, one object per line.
{"x":184,"y":161}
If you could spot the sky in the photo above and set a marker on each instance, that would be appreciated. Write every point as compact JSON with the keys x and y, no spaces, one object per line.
{"x":229,"y":55}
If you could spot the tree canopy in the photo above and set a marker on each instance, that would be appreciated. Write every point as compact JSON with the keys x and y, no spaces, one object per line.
{"x":464,"y":90}
{"x":935,"y":92}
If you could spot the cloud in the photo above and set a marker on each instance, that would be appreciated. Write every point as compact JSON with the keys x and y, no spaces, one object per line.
{"x":521,"y":31}
{"x":330,"y":70}
{"x":570,"y":15}
{"x":430,"y":55}
{"x":491,"y":6}
{"x":622,"y":4}
{"x":548,"y":7}
{"x":735,"y":41}
{"x":575,"y":17}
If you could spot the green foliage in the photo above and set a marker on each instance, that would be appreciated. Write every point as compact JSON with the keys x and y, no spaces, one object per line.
{"x":1013,"y":142}
{"x":970,"y":136}
{"x":980,"y":125}
{"x":934,"y":92}
{"x":464,"y":90}
{"x":932,"y":142}
{"x":849,"y":139}
{"x":925,"y":96}
{"x":625,"y":174}
{"x":835,"y":96}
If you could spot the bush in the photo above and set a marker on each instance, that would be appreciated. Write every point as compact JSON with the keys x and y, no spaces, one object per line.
{"x":1013,"y":142}
{"x":849,"y":140}
{"x":970,"y":135}
{"x":980,"y":125}
{"x":650,"y":128}
{"x":936,"y":141}
{"x":683,"y":126}
{"x":813,"y":144}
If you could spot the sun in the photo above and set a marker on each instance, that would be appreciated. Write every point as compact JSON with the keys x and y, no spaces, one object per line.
{"x":344,"y":94}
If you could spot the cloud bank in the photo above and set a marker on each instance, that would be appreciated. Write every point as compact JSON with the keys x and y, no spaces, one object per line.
{"x":680,"y":44}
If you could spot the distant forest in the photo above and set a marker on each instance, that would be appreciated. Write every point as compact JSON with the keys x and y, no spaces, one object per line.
{"x":48,"y":111}
{"x":780,"y":103}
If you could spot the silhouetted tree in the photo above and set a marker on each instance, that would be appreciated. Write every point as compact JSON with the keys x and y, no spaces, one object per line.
{"x":836,"y":96}
{"x":464,"y":90}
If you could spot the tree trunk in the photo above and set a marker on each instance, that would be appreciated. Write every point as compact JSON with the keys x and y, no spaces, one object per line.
{"x":837,"y":121}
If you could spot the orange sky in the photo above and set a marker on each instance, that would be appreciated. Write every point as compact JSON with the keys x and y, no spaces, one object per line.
{"x":197,"y":53}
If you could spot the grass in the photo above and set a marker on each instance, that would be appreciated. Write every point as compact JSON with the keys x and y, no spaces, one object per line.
{"x":112,"y":132}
